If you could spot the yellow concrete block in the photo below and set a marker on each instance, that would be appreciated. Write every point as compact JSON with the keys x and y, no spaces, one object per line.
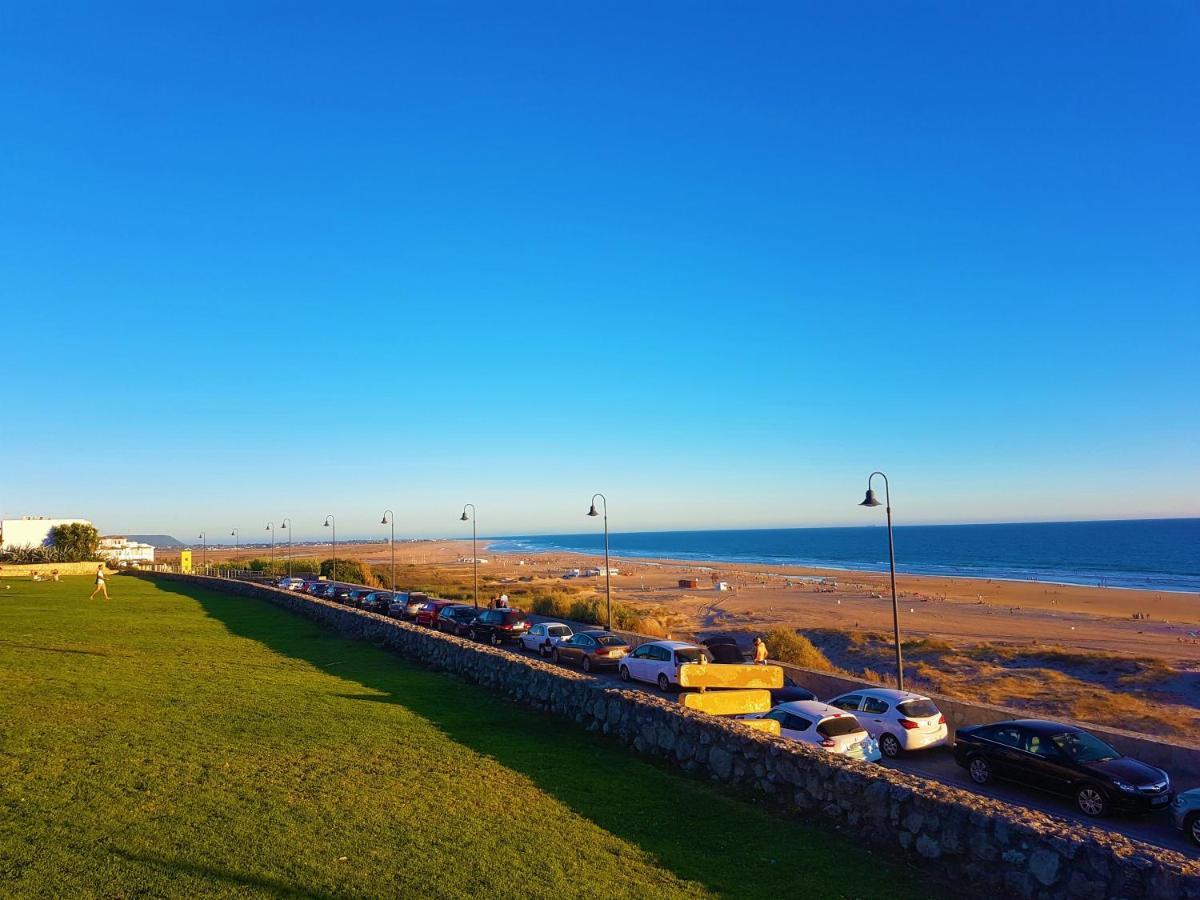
{"x":770,"y":726}
{"x":717,"y":675}
{"x":728,"y":703}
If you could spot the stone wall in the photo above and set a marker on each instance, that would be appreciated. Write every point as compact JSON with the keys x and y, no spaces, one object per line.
{"x":958,"y":836}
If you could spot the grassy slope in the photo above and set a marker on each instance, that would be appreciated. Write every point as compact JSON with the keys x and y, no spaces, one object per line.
{"x":183,"y":742}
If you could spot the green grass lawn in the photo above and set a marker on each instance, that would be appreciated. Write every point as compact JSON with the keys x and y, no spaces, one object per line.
{"x":178,"y":741}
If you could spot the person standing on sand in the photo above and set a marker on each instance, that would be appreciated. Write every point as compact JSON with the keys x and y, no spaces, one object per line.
{"x":760,"y":652}
{"x":100,"y":586}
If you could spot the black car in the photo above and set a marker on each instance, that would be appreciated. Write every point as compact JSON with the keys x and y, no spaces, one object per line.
{"x":456,"y":619}
{"x":790,"y":692}
{"x":1062,"y":759}
{"x":725,"y":650}
{"x":498,"y":625}
{"x":376,"y":601}
{"x":356,"y":596}
{"x":327,"y":591}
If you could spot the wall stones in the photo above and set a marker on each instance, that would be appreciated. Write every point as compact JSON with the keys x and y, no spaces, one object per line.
{"x":959,"y":836}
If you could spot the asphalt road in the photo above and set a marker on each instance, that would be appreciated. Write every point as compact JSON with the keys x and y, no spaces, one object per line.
{"x":938,"y":765}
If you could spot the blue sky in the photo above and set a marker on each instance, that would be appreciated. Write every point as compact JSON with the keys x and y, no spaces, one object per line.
{"x":719,"y":261}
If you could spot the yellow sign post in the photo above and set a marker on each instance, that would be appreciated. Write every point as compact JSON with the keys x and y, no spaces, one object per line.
{"x":185,"y":561}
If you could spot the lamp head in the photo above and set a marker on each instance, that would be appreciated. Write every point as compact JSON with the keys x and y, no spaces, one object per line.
{"x":464,"y":516}
{"x":870,"y":499}
{"x":383,"y":521}
{"x":592,"y":511}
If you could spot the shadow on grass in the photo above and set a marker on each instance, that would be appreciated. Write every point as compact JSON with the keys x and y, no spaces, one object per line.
{"x":728,"y":844}
{"x":209,"y":873}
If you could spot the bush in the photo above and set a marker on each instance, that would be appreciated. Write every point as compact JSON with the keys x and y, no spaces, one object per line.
{"x":551,"y":605}
{"x":786,"y":646}
{"x":75,"y":542}
{"x":588,"y":611}
{"x":352,"y":571}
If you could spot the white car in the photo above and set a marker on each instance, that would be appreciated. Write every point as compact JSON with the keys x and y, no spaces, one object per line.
{"x":544,"y":637}
{"x":899,"y":720}
{"x":824,"y":726}
{"x":658,"y":662}
{"x":291,"y":584}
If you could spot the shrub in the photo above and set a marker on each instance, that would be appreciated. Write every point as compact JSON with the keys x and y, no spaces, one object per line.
{"x":349,"y":570}
{"x":588,"y":611}
{"x":787,"y":646}
{"x":75,"y":542}
{"x":550,"y":605}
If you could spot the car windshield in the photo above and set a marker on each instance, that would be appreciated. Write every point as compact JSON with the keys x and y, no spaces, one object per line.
{"x":839,"y":726}
{"x":1083,"y":747}
{"x":692,"y":654}
{"x":917,"y":709}
{"x":608,"y":640}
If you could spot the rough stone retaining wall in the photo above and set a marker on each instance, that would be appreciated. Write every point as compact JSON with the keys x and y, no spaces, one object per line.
{"x":994,"y":849}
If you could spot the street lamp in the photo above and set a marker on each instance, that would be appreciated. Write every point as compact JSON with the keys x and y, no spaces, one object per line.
{"x":204,"y":552}
{"x":331,"y":522}
{"x":236,"y":538}
{"x":474,"y":553}
{"x":871,"y":501}
{"x":607,"y":570}
{"x":389,"y":518}
{"x":271,"y":528}
{"x":287,"y":523}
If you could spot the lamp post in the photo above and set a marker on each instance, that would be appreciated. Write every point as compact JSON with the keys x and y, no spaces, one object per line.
{"x":389,"y":518}
{"x":287,"y":523}
{"x":871,"y":501}
{"x":236,"y":548}
{"x":271,"y":528}
{"x":331,"y":522}
{"x":474,"y":553}
{"x":607,"y":569}
{"x":204,"y":552}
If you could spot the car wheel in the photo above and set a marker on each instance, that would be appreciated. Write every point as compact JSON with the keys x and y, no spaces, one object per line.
{"x":1191,"y":827}
{"x":473,"y":635}
{"x":494,"y":639}
{"x":587,"y":664}
{"x":624,"y":673}
{"x":1091,"y":800}
{"x":555,"y":657}
{"x":664,"y":683}
{"x":889,"y":746}
{"x":980,"y":770}
{"x":544,"y":650}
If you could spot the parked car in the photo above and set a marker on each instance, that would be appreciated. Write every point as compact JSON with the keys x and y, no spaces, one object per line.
{"x":310,"y":587}
{"x":591,"y":650}
{"x":790,"y":692}
{"x":326,"y":591}
{"x":1062,"y":759}
{"x":290,"y":584}
{"x":399,"y":606}
{"x":543,"y":637}
{"x":824,"y":726}
{"x":416,"y":600}
{"x":658,"y":662}
{"x":356,"y":596}
{"x":376,"y":601}
{"x":899,"y":720}
{"x":724,"y":649}
{"x":456,"y":619}
{"x":1186,"y":813}
{"x":428,"y":613}
{"x":499,"y":625}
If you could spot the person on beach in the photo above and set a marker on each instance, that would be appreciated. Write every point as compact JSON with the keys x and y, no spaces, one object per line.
{"x":100,"y":586}
{"x":760,"y":652}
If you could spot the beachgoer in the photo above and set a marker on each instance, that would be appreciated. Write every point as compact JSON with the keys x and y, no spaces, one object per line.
{"x":760,"y":652}
{"x":100,"y":586}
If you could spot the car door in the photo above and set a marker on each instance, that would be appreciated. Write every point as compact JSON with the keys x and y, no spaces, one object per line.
{"x":850,"y":702}
{"x":874,"y":715}
{"x":534,"y":637}
{"x":798,"y":728}
{"x":1003,"y":748}
{"x":572,"y":651}
{"x":639,"y":663}
{"x":1048,"y":767}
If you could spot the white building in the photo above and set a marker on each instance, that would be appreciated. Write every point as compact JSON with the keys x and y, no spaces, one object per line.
{"x":31,"y":531}
{"x":117,"y":549}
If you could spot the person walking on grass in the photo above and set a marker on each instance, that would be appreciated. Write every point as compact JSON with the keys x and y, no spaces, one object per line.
{"x":760,"y":652}
{"x":100,"y":586}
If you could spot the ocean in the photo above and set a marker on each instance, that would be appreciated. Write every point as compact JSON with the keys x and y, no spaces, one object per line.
{"x":1150,"y":554}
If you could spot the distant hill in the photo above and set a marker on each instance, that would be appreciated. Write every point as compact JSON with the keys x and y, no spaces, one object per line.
{"x":158,"y":541}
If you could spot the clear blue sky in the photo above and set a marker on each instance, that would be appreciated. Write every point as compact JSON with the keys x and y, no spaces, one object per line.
{"x":718,"y":260}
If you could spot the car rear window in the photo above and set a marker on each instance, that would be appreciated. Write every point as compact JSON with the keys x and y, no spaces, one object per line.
{"x":839,"y":726}
{"x":691,"y":655}
{"x":917,"y":709}
{"x":512,"y":618}
{"x":609,"y":640}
